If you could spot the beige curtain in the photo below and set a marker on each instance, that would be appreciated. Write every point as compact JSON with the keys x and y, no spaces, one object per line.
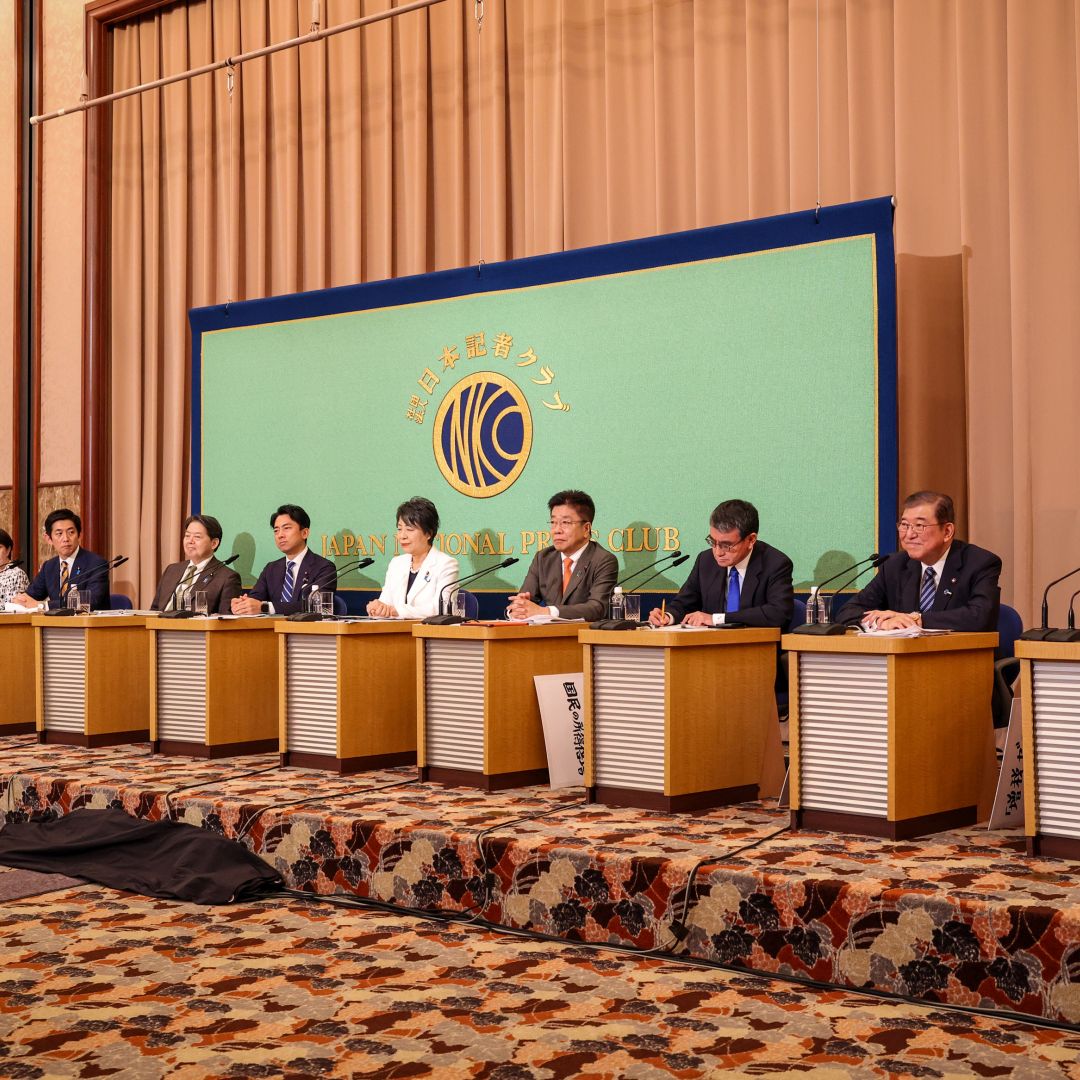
{"x":417,"y":145}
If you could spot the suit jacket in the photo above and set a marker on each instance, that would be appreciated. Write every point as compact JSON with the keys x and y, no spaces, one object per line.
{"x":47,"y":582}
{"x":220,"y":582}
{"x":766,"y":597}
{"x":315,"y":572}
{"x":590,"y":588}
{"x":436,"y":572}
{"x":967,"y":594}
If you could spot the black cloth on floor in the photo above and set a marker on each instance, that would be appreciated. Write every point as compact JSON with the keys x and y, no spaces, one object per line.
{"x":167,"y":859}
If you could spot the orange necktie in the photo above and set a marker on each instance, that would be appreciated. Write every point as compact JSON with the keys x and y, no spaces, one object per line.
{"x":567,"y":570}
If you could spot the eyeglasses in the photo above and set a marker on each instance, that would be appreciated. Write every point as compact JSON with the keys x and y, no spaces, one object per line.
{"x":567,"y":523}
{"x":918,"y":528}
{"x":723,"y":546}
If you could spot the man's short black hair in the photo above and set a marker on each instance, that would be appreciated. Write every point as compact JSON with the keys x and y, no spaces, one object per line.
{"x":581,"y":503}
{"x":735,"y":514}
{"x":210,"y":524}
{"x":63,"y":514}
{"x":421,"y":514}
{"x":944,"y":511}
{"x":297,"y":513}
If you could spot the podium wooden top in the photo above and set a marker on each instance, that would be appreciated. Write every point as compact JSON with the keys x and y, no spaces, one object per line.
{"x":1048,"y":650}
{"x":89,"y":622}
{"x":664,"y":639}
{"x":346,"y":629}
{"x":201,"y":624}
{"x":498,"y":631}
{"x":15,"y":618}
{"x":867,"y":645}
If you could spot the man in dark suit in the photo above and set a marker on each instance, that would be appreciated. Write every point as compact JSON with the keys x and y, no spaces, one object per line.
{"x":201,"y":571}
{"x":71,"y":567}
{"x":284,"y":585}
{"x":574,"y":578}
{"x":937,"y":581}
{"x":739,"y":579}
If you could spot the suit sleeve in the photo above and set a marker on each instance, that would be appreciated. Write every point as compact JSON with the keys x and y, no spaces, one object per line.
{"x":159,"y":601}
{"x":872,"y":598}
{"x":980,"y":611}
{"x":325,"y":577}
{"x":531,"y":584}
{"x":260,"y":590}
{"x":604,"y":574}
{"x":229,"y":591}
{"x":37,"y":588}
{"x":688,"y":598}
{"x":779,"y":600}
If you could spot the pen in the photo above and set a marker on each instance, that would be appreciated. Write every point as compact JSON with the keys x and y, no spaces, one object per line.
{"x":663,"y":612}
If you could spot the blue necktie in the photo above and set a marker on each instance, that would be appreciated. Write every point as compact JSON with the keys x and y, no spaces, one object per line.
{"x":290,"y":578}
{"x":732,"y":590}
{"x":929,"y":588}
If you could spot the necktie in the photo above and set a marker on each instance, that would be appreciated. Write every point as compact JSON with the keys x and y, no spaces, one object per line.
{"x":63,"y":577}
{"x":929,"y":587}
{"x":732,"y":590}
{"x":181,"y":588}
{"x":567,"y":570}
{"x":290,"y":578}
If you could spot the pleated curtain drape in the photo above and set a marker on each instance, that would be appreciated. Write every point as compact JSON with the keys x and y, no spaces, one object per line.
{"x":416,"y":145}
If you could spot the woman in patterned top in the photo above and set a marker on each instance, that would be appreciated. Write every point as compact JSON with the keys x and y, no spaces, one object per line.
{"x":13,"y":579}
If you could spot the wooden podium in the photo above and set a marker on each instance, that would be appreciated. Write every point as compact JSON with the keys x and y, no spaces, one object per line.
{"x":1050,"y":692}
{"x":347,"y":695}
{"x":93,"y":680}
{"x":678,"y":719}
{"x":18,"y":715}
{"x":213,"y":686}
{"x":477,"y":714}
{"x":890,"y":736}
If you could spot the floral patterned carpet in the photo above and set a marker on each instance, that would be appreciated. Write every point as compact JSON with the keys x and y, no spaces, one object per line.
{"x":96,"y":983}
{"x":961,"y":918}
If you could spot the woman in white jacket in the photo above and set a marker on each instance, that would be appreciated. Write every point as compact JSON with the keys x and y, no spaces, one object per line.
{"x":415,"y":579}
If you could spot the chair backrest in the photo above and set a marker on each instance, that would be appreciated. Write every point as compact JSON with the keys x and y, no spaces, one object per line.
{"x":120,"y":601}
{"x":340,"y":607}
{"x":798,"y":616}
{"x":472,"y":604}
{"x":1010,"y":626}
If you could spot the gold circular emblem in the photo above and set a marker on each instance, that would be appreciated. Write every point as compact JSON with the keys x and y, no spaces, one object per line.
{"x":482,"y":434}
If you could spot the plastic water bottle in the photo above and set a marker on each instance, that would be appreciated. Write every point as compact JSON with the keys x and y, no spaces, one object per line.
{"x":72,"y":600}
{"x":816,"y":610}
{"x":618,"y":606}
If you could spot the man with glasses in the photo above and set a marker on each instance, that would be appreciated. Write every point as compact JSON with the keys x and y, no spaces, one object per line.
{"x":739,"y":579}
{"x":574,"y":578}
{"x":937,"y":581}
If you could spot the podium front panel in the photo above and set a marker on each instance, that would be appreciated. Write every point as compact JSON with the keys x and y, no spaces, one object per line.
{"x":844,"y":733}
{"x":18,"y":710}
{"x":181,"y":686}
{"x":454,"y":705}
{"x":629,"y":688}
{"x":1056,"y":697}
{"x":63,"y":674}
{"x":311,"y":695}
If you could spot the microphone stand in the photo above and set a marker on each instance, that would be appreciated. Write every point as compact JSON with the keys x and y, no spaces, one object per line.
{"x":1045,"y":632}
{"x":676,"y":555}
{"x":831,"y":629}
{"x":452,"y":620}
{"x":629,"y":624}
{"x":95,"y":575}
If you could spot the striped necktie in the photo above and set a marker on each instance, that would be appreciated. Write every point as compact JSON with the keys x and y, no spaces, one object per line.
{"x":290,"y":580}
{"x":64,"y":571}
{"x":929,"y":588}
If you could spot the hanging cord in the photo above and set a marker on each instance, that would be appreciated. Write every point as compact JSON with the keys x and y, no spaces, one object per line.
{"x":478,"y":15}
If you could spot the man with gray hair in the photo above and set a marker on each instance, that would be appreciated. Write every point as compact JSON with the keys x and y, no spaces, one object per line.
{"x":739,"y":579}
{"x":936,"y":581}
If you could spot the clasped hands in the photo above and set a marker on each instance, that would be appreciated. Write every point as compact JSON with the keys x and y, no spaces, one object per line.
{"x":891,"y":620}
{"x":522,"y":607}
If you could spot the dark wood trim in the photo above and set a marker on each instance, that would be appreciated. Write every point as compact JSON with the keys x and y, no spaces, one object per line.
{"x":691,"y":802}
{"x":34,"y":351}
{"x":19,"y":255}
{"x":1054,"y":847}
{"x":436,"y":774}
{"x":27,"y":727}
{"x":865,"y":825}
{"x":183,"y":748}
{"x":100,"y":738}
{"x":296,"y":759}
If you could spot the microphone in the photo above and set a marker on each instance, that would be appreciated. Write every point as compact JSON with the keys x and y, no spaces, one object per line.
{"x":645,"y":569}
{"x":450,"y":620}
{"x":1072,"y":614}
{"x":829,"y":629}
{"x":629,"y":624}
{"x":1045,"y":632}
{"x":187,"y":613}
{"x":231,"y":559}
{"x":854,"y":577}
{"x":318,"y":616}
{"x":348,"y":568}
{"x":96,"y":574}
{"x":678,"y":562}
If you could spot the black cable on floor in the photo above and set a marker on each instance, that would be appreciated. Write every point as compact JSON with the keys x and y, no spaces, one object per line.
{"x":208,"y":783}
